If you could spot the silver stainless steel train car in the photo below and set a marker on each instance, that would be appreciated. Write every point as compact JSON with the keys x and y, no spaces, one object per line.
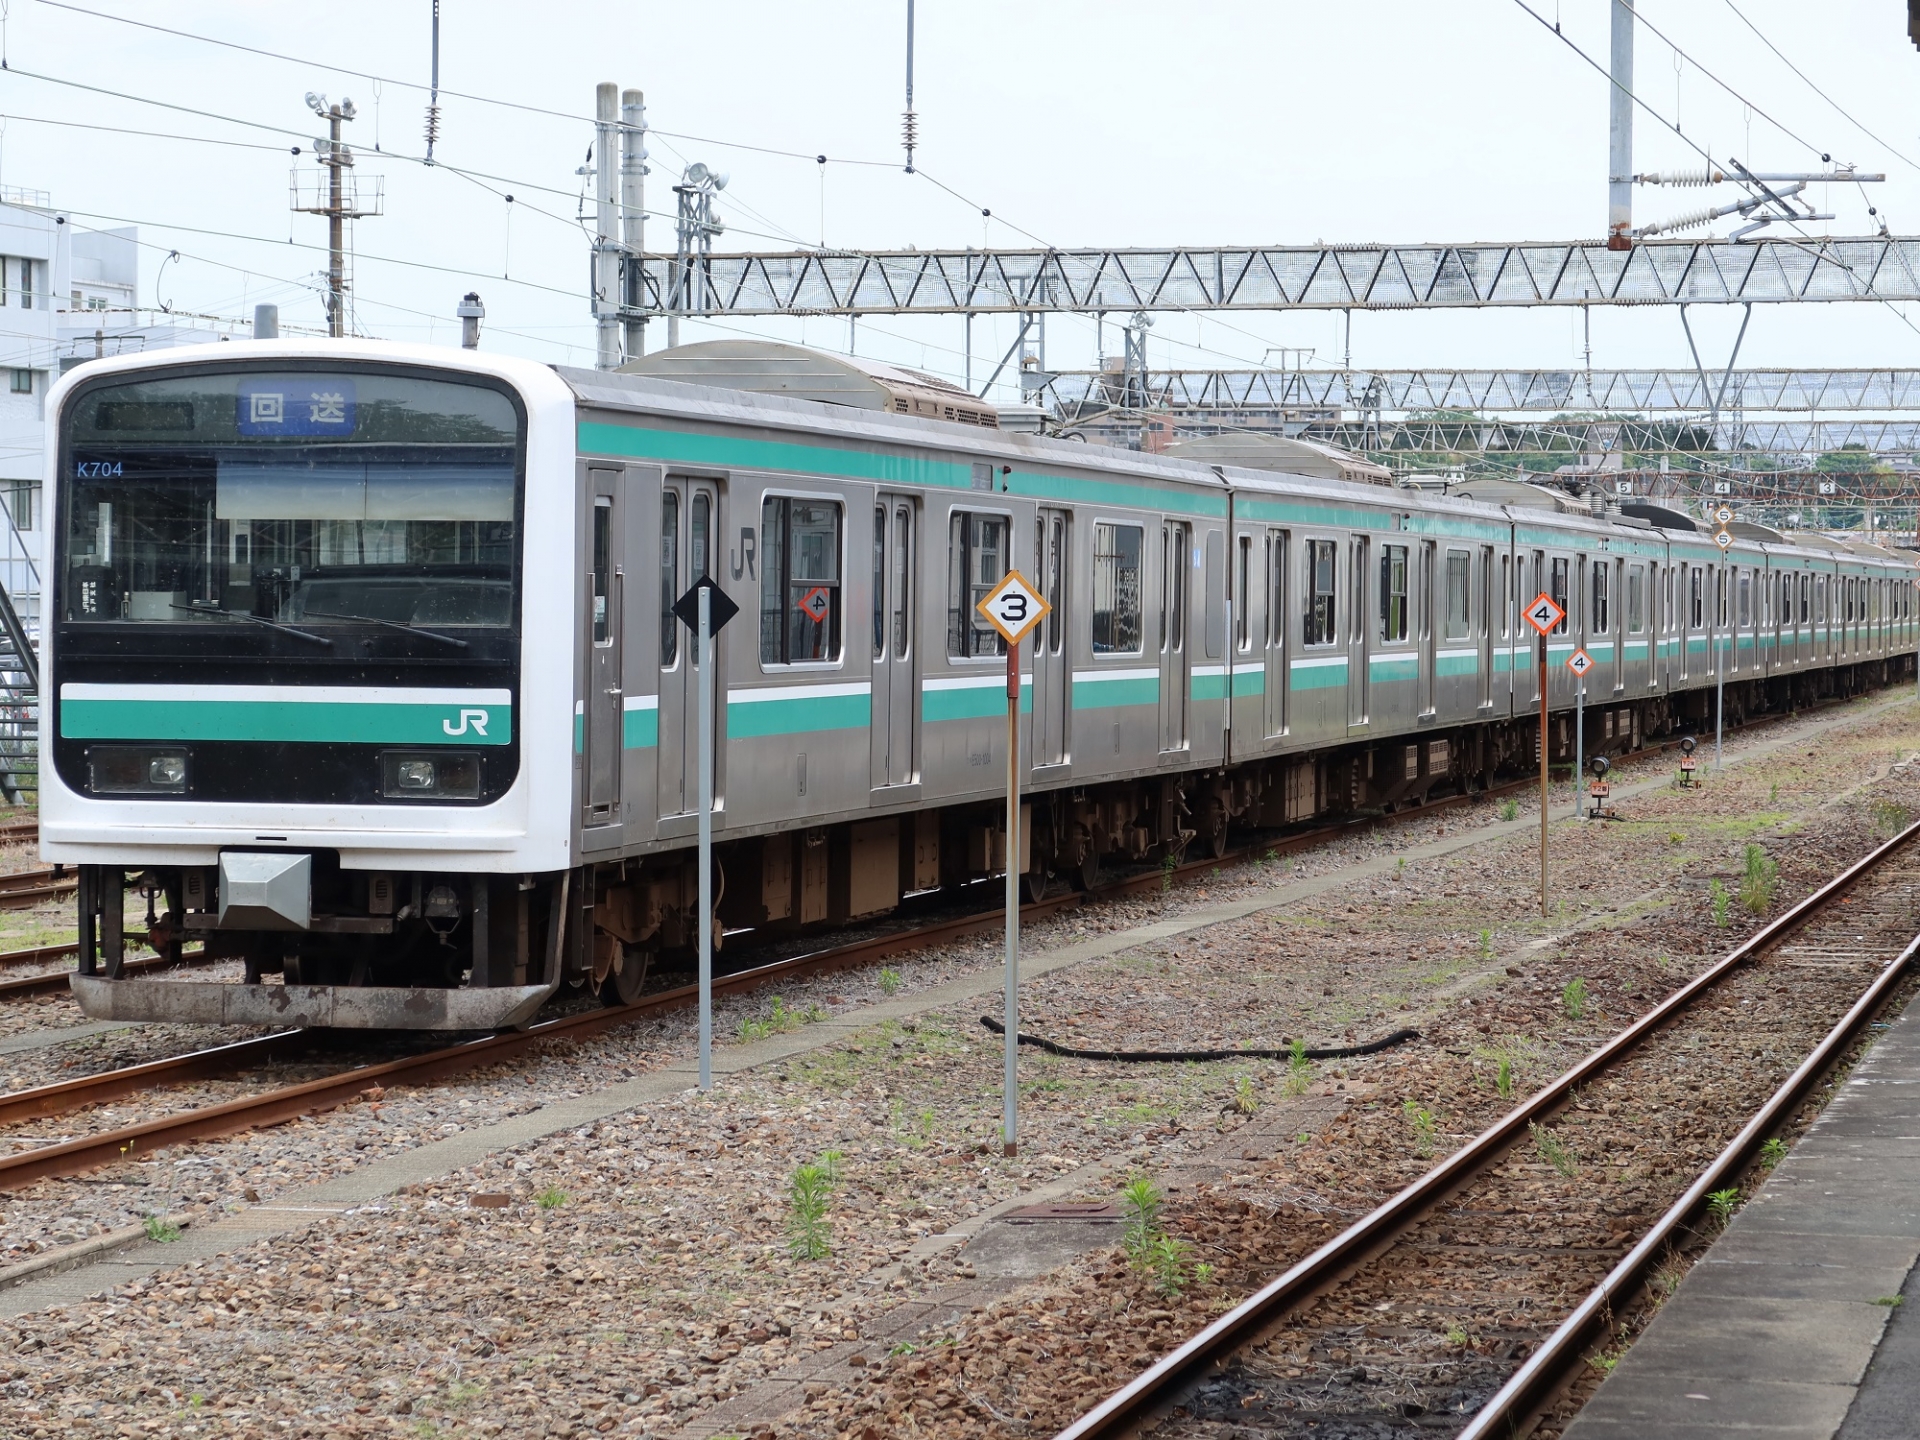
{"x":360,"y":666}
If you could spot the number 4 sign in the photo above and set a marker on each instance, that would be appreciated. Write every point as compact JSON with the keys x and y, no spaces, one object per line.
{"x":1013,"y":607}
{"x":1544,"y":613}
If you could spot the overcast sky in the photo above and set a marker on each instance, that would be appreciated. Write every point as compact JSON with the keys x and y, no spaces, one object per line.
{"x":1120,"y":122}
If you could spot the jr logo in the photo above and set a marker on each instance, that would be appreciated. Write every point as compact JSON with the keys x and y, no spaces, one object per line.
{"x":476,"y":718}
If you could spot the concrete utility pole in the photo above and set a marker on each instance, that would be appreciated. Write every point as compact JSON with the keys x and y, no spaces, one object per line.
{"x":633,"y":219}
{"x":342,"y":204}
{"x":1620,"y":131}
{"x":606,"y":253}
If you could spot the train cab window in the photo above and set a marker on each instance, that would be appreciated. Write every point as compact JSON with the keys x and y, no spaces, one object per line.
{"x":1557,"y":587}
{"x":1393,"y":592}
{"x":799,"y":581}
{"x":1319,"y":612}
{"x":1636,"y":599}
{"x":1602,"y":617}
{"x":1116,"y":589}
{"x":1459,"y":594}
{"x":977,"y":560}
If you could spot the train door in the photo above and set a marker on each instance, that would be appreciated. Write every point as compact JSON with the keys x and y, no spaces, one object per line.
{"x":600,"y":715}
{"x":688,"y":511}
{"x":1277,"y":689}
{"x":1052,"y":664}
{"x":896,"y":689}
{"x":1174,"y":682}
{"x":1358,"y":695}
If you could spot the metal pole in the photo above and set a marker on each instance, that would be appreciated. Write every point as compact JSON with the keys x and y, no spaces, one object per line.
{"x":1543,"y":774}
{"x":1620,"y":131}
{"x":633,"y":218}
{"x":704,"y":658}
{"x":1719,"y":665}
{"x":336,"y":233}
{"x":1579,"y":743}
{"x":606,"y":258}
{"x":1010,"y":1134}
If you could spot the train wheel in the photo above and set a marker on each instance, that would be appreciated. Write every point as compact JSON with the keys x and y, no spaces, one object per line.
{"x":1086,"y":875}
{"x":1213,"y":833}
{"x":1035,"y":883}
{"x":627,"y":978}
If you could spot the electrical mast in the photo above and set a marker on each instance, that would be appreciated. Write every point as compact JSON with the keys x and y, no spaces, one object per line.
{"x":337,"y":197}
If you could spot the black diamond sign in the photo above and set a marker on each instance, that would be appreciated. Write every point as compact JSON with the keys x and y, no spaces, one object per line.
{"x":720,"y":609}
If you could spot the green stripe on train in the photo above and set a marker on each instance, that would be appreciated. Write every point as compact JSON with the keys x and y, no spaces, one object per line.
{"x":1106,"y":694}
{"x":640,"y":729}
{"x":807,"y":713}
{"x":973,"y":702}
{"x":340,"y":722}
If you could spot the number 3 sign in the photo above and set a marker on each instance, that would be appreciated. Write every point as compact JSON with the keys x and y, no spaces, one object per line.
{"x":1013,"y":607}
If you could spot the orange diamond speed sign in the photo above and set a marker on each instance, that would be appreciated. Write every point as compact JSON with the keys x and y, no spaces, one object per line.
{"x":1579,"y":662}
{"x":1013,"y":607}
{"x":1544,"y":613}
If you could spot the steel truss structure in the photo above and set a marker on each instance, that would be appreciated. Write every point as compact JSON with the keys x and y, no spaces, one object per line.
{"x":1499,"y":391}
{"x":1766,"y":270}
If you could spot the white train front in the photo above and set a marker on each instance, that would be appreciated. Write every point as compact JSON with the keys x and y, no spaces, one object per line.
{"x":359,"y":663}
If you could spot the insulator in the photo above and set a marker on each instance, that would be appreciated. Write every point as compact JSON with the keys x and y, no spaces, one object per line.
{"x":1685,"y":179}
{"x":1681,"y":222}
{"x":433,"y":125}
{"x":910,"y":130}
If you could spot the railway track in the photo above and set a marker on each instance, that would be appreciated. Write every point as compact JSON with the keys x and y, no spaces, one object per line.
{"x":1489,"y":1238}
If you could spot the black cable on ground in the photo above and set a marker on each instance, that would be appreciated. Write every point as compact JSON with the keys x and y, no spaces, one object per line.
{"x":1332,"y":1052}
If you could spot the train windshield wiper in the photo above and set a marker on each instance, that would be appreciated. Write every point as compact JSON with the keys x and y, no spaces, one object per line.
{"x":391,"y":625}
{"x":255,"y":620}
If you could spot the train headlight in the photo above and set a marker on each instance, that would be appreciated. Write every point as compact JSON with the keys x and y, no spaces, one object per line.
{"x":136,"y":770}
{"x":430,"y":775}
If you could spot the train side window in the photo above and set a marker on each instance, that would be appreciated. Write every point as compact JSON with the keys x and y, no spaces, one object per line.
{"x":1601,"y":618}
{"x":1745,"y":585}
{"x":1116,"y":589}
{"x":1557,"y":588}
{"x":1393,"y":592}
{"x":1320,"y":608}
{"x":1506,"y":594}
{"x":799,"y":581}
{"x":1636,"y":599}
{"x":1806,"y":597}
{"x":669,"y":579}
{"x":1696,"y":603}
{"x":879,"y":581}
{"x":1459,"y":594}
{"x":977,"y":560}
{"x":1243,"y":596}
{"x":602,"y":571}
{"x":1276,"y":587}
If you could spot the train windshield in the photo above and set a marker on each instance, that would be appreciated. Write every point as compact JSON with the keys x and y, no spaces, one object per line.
{"x":305,"y":497}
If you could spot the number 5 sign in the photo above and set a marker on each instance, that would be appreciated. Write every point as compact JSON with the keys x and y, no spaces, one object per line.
{"x":1013,"y":607}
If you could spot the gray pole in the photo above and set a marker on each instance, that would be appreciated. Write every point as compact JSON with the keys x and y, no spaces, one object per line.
{"x":633,"y":217}
{"x":336,"y":232}
{"x":1010,"y":1103}
{"x":1719,"y":666}
{"x":606,"y":259}
{"x":1620,"y":131}
{"x":1579,"y":743}
{"x":704,"y":658}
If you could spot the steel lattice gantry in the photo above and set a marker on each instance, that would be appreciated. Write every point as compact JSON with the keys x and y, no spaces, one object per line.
{"x":1296,"y":277}
{"x":1502,"y":391}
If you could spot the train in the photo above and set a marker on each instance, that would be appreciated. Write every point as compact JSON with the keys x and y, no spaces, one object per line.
{"x":360,"y":666}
